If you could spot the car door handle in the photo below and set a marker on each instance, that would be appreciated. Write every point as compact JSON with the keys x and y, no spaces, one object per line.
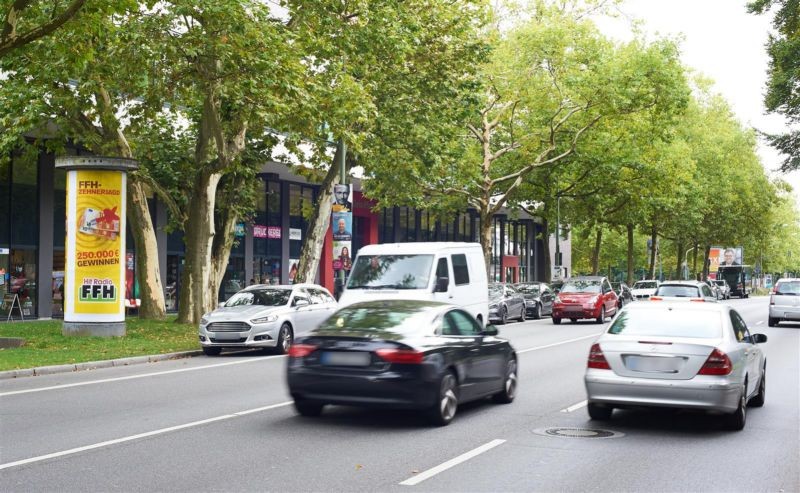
{"x":474,"y":350}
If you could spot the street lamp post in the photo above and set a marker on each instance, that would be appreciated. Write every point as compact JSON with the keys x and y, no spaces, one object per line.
{"x":686,"y":263}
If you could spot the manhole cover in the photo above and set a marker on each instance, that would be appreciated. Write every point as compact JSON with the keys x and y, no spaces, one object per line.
{"x":578,"y":433}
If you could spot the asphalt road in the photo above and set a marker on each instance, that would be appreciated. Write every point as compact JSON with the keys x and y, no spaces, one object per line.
{"x":226,"y":424}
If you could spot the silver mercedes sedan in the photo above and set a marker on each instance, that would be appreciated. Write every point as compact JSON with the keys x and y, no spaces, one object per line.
{"x":680,"y":355}
{"x":265,"y":316}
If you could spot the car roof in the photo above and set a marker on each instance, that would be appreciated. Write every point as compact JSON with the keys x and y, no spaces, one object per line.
{"x":655,"y":306}
{"x":284,"y":286}
{"x":682,"y":283}
{"x":586,"y":278}
{"x":423,"y":247}
{"x":787,"y":279}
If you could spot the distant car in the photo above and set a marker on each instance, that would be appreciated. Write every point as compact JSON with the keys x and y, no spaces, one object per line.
{"x":679,"y":355}
{"x":538,"y":298}
{"x":407,"y":354}
{"x":555,"y":286}
{"x":585,"y":297}
{"x":264,"y":316}
{"x":714,"y":288}
{"x":642,"y":290}
{"x":784,"y":302}
{"x":624,"y":293}
{"x":684,"y":291}
{"x":505,"y":303}
{"x":724,"y":289}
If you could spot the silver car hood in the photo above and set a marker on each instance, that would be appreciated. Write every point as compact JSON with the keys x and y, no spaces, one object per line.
{"x":243,"y":312}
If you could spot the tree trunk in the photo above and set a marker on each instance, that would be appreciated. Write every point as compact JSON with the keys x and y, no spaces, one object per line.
{"x":318,"y":226}
{"x":548,"y":266}
{"x":596,"y":252}
{"x":486,"y":241}
{"x":221,"y":253}
{"x":694,"y":259}
{"x":653,"y":248}
{"x":196,"y":298}
{"x":680,"y":253}
{"x":706,"y":263}
{"x":630,"y":254}
{"x":144,"y":238}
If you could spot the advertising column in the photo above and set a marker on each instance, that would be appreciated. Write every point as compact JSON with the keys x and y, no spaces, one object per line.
{"x":94,"y":278}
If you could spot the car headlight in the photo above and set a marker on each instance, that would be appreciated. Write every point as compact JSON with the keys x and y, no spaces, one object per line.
{"x":204,"y":321}
{"x":264,"y":320}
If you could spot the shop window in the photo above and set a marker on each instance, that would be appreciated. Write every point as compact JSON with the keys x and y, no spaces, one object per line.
{"x":24,"y":202}
{"x":5,"y":203}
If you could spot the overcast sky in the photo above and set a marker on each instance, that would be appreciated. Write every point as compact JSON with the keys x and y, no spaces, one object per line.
{"x":722,"y":41}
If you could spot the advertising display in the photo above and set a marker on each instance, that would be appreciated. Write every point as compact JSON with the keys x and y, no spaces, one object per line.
{"x":95,"y":275}
{"x":342,"y":223}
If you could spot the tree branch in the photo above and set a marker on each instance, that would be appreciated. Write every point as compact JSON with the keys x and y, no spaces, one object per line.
{"x":10,"y":40}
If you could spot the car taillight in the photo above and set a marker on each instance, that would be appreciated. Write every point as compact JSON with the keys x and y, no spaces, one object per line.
{"x":597,"y":359}
{"x":301,"y":350}
{"x":718,"y":363}
{"x":656,"y":298}
{"x":771,"y":299}
{"x":402,"y":356}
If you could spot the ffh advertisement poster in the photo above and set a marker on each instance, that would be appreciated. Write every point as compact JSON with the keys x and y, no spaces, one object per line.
{"x":95,"y":238}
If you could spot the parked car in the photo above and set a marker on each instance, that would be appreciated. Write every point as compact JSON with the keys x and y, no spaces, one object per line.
{"x":679,"y":355}
{"x":449,"y":272}
{"x":684,"y":291}
{"x":784,"y":302}
{"x":644,"y":289}
{"x":714,"y":288}
{"x":555,"y":286}
{"x":736,"y":277}
{"x":505,"y":303}
{"x":624,"y":293}
{"x":724,"y":289}
{"x":264,"y":316}
{"x":585,"y":297}
{"x":538,"y":298}
{"x":401,"y":354}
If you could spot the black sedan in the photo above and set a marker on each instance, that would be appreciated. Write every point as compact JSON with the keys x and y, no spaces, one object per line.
{"x":401,"y":354}
{"x":538,"y":298}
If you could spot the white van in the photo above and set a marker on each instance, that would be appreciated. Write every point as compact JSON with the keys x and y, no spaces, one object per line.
{"x":448,"y":271}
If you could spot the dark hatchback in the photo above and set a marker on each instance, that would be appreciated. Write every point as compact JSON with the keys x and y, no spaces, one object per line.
{"x":401,"y":354}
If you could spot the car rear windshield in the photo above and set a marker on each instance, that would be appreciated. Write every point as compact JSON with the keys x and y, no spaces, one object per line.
{"x":668,"y":323}
{"x":265,"y":297}
{"x":791,"y":288}
{"x":391,"y":272}
{"x":678,"y":291}
{"x":379,"y":321}
{"x":645,"y":285}
{"x":581,"y":287}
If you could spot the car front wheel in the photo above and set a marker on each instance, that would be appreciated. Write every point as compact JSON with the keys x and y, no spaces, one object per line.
{"x":284,"y":339}
{"x":537,"y":311}
{"x":506,"y":396}
{"x":556,"y":321}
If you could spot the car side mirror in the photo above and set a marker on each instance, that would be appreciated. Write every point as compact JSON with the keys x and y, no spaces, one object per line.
{"x":489,"y":330}
{"x":758,"y":338}
{"x":442,"y":283}
{"x":299,"y":303}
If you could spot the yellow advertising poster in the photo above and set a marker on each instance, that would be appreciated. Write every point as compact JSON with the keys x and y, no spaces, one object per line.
{"x":97,"y":270}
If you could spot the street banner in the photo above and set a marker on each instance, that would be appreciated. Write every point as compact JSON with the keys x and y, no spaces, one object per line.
{"x":95,"y":273}
{"x":342,"y":198}
{"x":342,"y":259}
{"x":342,"y":226}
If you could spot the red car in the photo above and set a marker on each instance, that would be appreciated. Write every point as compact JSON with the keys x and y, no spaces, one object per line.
{"x":585,"y":297}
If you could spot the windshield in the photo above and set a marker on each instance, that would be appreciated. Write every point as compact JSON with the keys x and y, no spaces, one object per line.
{"x":645,"y":285}
{"x":263,"y":297}
{"x":791,"y":288}
{"x":678,"y":291}
{"x":525,"y":289}
{"x":496,"y":291}
{"x":668,"y":323}
{"x":391,"y":272}
{"x":581,"y":287}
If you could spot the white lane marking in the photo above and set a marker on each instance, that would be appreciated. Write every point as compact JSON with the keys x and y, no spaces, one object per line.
{"x":451,"y":463}
{"x":574,"y":407}
{"x":554,"y":344}
{"x":143,"y":375}
{"x":140,"y":435}
{"x":759,"y":322}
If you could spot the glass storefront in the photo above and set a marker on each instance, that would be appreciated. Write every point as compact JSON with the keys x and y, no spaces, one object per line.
{"x":267,"y":234}
{"x":301,"y":203}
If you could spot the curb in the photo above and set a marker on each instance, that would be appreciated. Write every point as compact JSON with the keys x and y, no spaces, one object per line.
{"x":92,"y":365}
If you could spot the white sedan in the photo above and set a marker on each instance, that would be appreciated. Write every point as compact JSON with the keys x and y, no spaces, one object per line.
{"x":681,"y":355}
{"x":265,"y":316}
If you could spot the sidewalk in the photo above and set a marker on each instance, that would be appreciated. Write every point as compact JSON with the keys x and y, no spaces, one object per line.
{"x":91,"y":365}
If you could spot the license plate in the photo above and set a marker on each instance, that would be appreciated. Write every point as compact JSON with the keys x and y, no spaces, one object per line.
{"x":227,"y":336}
{"x":654,"y":364}
{"x":346,"y":358}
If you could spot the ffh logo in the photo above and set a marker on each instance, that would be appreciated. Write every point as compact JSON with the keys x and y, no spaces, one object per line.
{"x":88,"y":184}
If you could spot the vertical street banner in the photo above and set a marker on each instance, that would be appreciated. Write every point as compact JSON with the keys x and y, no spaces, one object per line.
{"x":95,"y":265}
{"x":342,"y":224}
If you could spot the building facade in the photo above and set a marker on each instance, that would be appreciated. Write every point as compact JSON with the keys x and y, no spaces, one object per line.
{"x":32,"y":232}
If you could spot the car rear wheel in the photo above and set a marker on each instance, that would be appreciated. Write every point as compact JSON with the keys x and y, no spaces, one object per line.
{"x":212,"y":351}
{"x":284,"y":339}
{"x":737,"y":420}
{"x":308,"y":408}
{"x":556,"y":321}
{"x":506,"y":396}
{"x":598,"y":412}
{"x":772,"y":322}
{"x":758,"y":400}
{"x":443,"y":412}
{"x":537,"y":311}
